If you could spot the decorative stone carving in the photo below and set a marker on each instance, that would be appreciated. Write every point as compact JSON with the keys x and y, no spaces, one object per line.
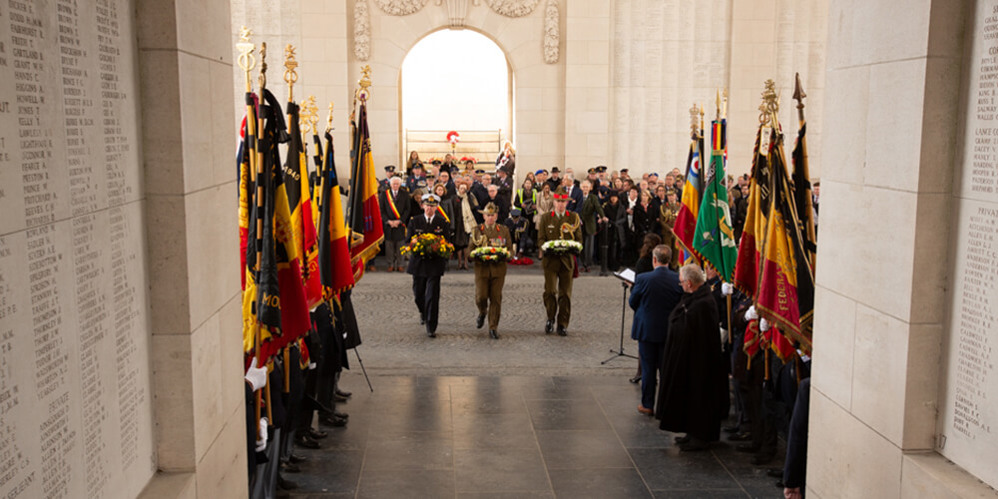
{"x":552,"y":32}
{"x":457,"y":10}
{"x":400,"y":7}
{"x":513,"y":8}
{"x":361,"y":30}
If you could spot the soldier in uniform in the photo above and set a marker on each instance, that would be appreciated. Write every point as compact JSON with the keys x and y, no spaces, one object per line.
{"x":558,"y":224}
{"x":490,"y":276}
{"x":426,"y":271}
{"x":668,"y":212}
{"x":385,"y":183}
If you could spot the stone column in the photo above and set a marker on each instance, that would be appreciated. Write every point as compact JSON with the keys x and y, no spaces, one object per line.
{"x":188,"y":146}
{"x":891,"y":131}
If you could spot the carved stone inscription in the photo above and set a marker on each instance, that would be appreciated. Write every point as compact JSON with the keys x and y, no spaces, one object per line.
{"x":75,"y":417}
{"x":969,"y":430}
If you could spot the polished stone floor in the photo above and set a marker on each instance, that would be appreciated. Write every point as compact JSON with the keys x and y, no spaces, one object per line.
{"x":510,"y":436}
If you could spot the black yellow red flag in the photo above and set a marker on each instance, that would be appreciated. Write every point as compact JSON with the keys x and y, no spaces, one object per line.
{"x":365,"y":213}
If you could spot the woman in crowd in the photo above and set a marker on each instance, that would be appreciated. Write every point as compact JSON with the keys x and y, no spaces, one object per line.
{"x":412,"y":162}
{"x":545,"y":203}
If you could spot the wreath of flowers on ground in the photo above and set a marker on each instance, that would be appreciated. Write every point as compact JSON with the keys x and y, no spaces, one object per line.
{"x":562,"y":246}
{"x":428,"y":245}
{"x":490,"y":254}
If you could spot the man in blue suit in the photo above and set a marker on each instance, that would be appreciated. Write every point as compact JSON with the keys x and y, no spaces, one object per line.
{"x":653,"y":297}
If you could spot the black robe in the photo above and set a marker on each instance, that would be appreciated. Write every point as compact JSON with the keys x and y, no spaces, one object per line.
{"x":693,"y":395}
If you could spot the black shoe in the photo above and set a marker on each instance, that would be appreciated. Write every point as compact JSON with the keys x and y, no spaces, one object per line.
{"x":422,"y":321}
{"x":494,"y":334}
{"x":682,"y":440}
{"x":290,"y":468}
{"x":296,"y":458}
{"x":562,"y":332}
{"x":636,"y":379}
{"x":341,"y":415}
{"x":775,"y":473}
{"x":285,"y":484}
{"x":306,"y":442}
{"x":731,"y":429}
{"x":762,"y":458}
{"x":549,"y":326}
{"x":480,"y":321}
{"x":740,"y":437}
{"x":431,"y":333}
{"x":339,"y":398}
{"x":316,"y":434}
{"x":343,"y":394}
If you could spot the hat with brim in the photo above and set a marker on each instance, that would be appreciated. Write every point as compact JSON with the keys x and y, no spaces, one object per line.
{"x":390,"y":168}
{"x":431,"y":199}
{"x":490,"y":209}
{"x":555,"y":170}
{"x":560,"y":194}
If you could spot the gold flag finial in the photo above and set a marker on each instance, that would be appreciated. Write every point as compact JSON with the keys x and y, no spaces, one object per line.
{"x":724,"y":104}
{"x":246,"y":59}
{"x":329,"y":119}
{"x":364,"y":83}
{"x":770,"y":104}
{"x":263,"y":66}
{"x":313,"y":114}
{"x":694,"y":115}
{"x":290,"y":71}
{"x":701,"y":117}
{"x":799,"y":96}
{"x":717,"y":105}
{"x":305,"y":118}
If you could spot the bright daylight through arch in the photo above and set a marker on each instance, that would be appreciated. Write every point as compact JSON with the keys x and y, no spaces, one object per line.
{"x":456,"y":80}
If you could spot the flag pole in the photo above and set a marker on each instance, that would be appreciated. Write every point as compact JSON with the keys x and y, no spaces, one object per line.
{"x":290,"y":77}
{"x":247,"y":62}
{"x":259,"y":225}
{"x":720,"y":116}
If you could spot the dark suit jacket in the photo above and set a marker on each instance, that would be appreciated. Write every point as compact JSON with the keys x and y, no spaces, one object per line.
{"x":427,"y":267}
{"x":653,"y":297}
{"x":575,"y":199}
{"x":402,"y":204}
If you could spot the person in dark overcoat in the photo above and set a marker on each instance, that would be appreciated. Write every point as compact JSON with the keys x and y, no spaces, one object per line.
{"x":395,"y":209}
{"x":693,"y":396}
{"x":426,"y":271}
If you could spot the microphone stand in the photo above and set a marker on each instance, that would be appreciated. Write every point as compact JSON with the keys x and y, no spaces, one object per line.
{"x":623,"y":313}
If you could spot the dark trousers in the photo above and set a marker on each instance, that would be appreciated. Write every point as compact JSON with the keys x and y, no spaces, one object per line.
{"x":393,"y":253}
{"x":426,"y":291}
{"x":587,"y":250}
{"x":650,"y":357}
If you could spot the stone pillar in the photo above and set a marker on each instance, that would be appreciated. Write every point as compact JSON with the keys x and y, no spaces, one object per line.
{"x":891,"y":133}
{"x":188,"y":146}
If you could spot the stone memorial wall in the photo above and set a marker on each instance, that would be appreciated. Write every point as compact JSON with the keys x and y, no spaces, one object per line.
{"x":969,"y":432}
{"x":75,"y":416}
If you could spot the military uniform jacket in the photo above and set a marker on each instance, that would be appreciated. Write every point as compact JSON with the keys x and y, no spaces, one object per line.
{"x":550,"y":230}
{"x":590,"y":207}
{"x":433,"y":266}
{"x":496,"y":235}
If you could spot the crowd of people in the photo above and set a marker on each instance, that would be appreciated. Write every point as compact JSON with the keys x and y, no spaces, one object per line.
{"x":692,"y":364}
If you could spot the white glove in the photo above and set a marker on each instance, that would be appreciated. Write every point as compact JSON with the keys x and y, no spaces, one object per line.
{"x":261,"y":443}
{"x":750,"y":314}
{"x":724,"y":335}
{"x":763,"y":325}
{"x":256,"y":376}
{"x":727,"y":289}
{"x":312,"y":365}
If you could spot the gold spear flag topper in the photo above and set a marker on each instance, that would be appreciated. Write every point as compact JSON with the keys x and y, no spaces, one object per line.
{"x":263,"y":66}
{"x":246,"y":59}
{"x":290,"y":73}
{"x":365,"y":83}
{"x":799,"y":96}
{"x":770,"y":105}
{"x":694,"y":121}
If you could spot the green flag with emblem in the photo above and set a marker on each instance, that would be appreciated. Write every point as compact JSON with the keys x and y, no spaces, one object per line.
{"x":714,"y":239}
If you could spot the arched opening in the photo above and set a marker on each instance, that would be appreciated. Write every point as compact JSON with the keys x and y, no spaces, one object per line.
{"x":455,"y":80}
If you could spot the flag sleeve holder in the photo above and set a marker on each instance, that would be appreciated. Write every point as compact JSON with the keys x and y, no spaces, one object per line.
{"x":626,"y":281}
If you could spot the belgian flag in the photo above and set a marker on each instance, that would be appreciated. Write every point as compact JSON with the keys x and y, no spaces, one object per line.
{"x":750,"y":247}
{"x":786,"y":284}
{"x":334,"y":249}
{"x":300,"y":205}
{"x":365,"y":214}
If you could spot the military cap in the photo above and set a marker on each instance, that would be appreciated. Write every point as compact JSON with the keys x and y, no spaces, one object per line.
{"x":591,"y":171}
{"x":624,"y":170}
{"x":515,"y":212}
{"x":431,"y":199}
{"x":490,"y":209}
{"x":538,"y":172}
{"x":390,"y":168}
{"x":600,"y":168}
{"x":479,"y":171}
{"x":560,"y":194}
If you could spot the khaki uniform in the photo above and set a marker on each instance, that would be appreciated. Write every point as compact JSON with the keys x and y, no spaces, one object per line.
{"x":666,"y":221}
{"x":558,"y":268}
{"x":490,"y":276}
